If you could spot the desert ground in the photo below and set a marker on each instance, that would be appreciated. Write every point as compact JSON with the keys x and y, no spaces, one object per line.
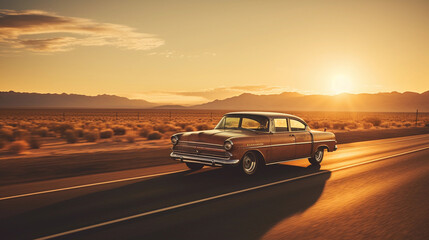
{"x":53,"y":143}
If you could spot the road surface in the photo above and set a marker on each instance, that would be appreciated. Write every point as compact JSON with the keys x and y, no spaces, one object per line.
{"x":365,"y":190}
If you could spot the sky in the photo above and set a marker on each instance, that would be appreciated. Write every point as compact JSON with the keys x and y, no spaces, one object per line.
{"x":188,"y":52}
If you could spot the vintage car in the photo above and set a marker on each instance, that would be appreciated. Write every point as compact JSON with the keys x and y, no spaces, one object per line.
{"x":250,"y":140}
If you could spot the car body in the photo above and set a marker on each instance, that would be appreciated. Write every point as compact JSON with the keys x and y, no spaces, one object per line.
{"x":252,"y":140}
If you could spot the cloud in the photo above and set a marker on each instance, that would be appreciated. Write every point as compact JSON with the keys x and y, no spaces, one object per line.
{"x":41,"y":31}
{"x":203,"y":96}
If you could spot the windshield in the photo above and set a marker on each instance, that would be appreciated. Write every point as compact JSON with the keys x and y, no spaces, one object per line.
{"x":256,"y":123}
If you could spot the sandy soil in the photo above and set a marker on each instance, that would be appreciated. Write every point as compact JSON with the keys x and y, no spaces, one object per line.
{"x":57,"y":159}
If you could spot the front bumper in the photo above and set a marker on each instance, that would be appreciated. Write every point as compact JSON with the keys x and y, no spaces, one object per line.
{"x":335,"y":148}
{"x":205,"y":160}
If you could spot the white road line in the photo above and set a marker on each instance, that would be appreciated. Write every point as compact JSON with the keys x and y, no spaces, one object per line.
{"x":223,"y":195}
{"x":88,"y":185}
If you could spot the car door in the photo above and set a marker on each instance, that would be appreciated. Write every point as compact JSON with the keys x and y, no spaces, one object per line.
{"x":303,"y":138}
{"x":282,"y":141}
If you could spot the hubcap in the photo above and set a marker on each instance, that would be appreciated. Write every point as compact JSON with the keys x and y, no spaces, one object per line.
{"x":318,"y":156}
{"x":249,"y":164}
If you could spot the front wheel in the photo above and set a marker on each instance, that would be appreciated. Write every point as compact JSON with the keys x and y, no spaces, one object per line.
{"x":317,"y":157}
{"x":194,"y":166}
{"x":249,"y":163}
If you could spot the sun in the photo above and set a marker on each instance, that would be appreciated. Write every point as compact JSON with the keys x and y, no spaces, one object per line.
{"x":341,"y":84}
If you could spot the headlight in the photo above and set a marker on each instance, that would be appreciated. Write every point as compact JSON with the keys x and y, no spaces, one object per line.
{"x":227,"y":145}
{"x":174,"y":140}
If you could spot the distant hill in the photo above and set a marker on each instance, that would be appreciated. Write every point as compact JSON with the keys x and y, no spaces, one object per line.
{"x":170,"y":107}
{"x":37,"y":100}
{"x":291,"y":101}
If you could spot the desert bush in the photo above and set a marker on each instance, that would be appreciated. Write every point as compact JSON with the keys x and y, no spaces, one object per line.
{"x":374,"y":120}
{"x":70,"y":136}
{"x":407,"y":124}
{"x":144,"y":132}
{"x":91,"y":136}
{"x":203,"y":127}
{"x":106,"y":133}
{"x":78,"y":132}
{"x":34,"y":142}
{"x":6,"y":134}
{"x":154,"y":135}
{"x":17,"y":146}
{"x":385,"y":125}
{"x":119,"y":130}
{"x":2,"y":143}
{"x":61,"y":128}
{"x":20,"y":134}
{"x":339,"y":125}
{"x":367,"y":125}
{"x":163,"y":128}
{"x":352,"y":125}
{"x":51,"y":134}
{"x":189,"y":128}
{"x":130,"y":138}
{"x":426,"y":124}
{"x":42,"y":132}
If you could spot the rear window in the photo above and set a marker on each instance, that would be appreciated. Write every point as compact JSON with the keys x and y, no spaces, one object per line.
{"x":281,"y":125}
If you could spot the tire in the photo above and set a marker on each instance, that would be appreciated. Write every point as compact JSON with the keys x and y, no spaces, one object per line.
{"x":250,"y":163}
{"x":317,"y":158}
{"x":194,"y":166}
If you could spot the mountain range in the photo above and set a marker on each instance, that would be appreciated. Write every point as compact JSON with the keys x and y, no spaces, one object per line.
{"x":287,"y":101}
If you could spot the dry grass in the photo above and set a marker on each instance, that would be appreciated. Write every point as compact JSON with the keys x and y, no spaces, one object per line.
{"x":141,"y":125}
{"x":17,"y":147}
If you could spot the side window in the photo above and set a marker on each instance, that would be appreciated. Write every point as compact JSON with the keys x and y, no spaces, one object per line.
{"x":281,"y":124}
{"x":296,"y":125}
{"x":232,"y":122}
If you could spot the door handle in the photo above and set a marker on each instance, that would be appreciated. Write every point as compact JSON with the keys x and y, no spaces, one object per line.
{"x":292,"y":135}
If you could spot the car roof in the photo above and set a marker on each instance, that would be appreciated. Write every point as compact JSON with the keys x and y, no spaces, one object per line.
{"x":266,"y":114}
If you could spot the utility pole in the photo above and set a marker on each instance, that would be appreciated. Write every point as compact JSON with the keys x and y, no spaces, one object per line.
{"x":417,"y":115}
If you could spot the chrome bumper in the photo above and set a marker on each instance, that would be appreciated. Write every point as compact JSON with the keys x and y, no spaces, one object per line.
{"x":335,"y":148}
{"x":206,"y":160}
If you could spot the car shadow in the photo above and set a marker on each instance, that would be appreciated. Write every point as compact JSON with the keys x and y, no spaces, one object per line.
{"x":245,"y":216}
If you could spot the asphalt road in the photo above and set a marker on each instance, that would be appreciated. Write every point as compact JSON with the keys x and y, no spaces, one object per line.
{"x":365,"y":190}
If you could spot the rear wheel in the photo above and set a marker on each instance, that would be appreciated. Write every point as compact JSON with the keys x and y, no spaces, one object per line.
{"x":317,"y":157}
{"x":250,"y":163}
{"x":194,"y":166}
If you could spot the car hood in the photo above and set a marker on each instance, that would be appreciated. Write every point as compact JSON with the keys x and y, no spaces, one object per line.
{"x":216,"y":136}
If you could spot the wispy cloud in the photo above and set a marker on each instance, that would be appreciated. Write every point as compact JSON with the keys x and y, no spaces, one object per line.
{"x":196,"y":97}
{"x":41,"y":31}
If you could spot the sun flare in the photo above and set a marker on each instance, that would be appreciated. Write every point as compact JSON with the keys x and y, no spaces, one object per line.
{"x":341,"y":84}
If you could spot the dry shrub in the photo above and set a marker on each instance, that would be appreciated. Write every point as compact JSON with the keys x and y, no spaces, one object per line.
{"x":374,"y":120}
{"x":17,"y":146}
{"x":190,"y":128}
{"x":385,"y":125}
{"x":2,"y":143}
{"x":91,"y":136}
{"x":352,"y":125}
{"x":203,"y":127}
{"x":144,"y":132}
{"x":163,"y":128}
{"x":339,"y":125}
{"x":20,"y":134}
{"x":42,"y":132}
{"x":426,"y":124}
{"x":51,"y":134}
{"x":367,"y":125}
{"x":70,"y":136}
{"x":61,"y":128}
{"x":119,"y":130}
{"x":78,"y":132}
{"x":106,"y":133}
{"x":154,"y":135}
{"x":34,"y":142}
{"x":407,"y":124}
{"x":131,"y":138}
{"x":6,"y":134}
